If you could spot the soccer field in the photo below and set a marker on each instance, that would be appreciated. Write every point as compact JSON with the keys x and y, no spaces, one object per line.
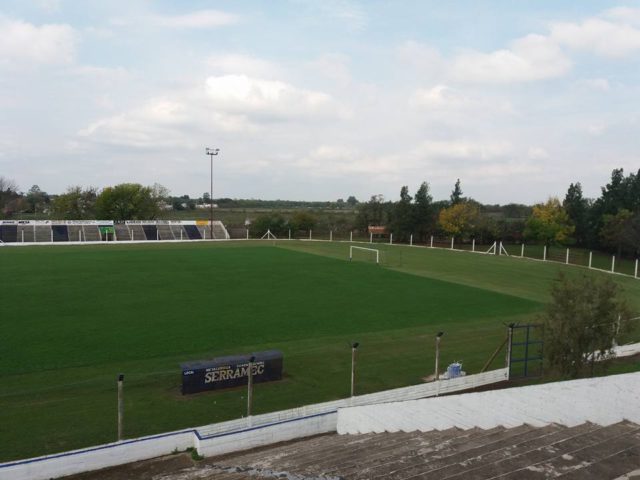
{"x":74,"y":317}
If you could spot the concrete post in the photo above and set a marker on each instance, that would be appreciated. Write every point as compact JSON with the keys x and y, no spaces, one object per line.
{"x":437,"y":372}
{"x":120,"y":406}
{"x":354,"y":347}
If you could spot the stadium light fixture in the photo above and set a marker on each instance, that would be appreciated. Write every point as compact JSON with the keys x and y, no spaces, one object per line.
{"x":438,"y":337}
{"x":354,"y":347}
{"x":250,"y":385}
{"x":211,"y":152}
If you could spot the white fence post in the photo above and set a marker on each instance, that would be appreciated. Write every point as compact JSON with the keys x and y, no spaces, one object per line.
{"x":391,"y":239}
{"x":566,"y":260}
{"x":310,"y":237}
{"x":500,"y":248}
{"x":411,"y":240}
{"x":544,"y":253}
{"x":289,"y":234}
{"x":613,"y":263}
{"x":590,"y":258}
{"x":431,"y":241}
{"x":522,"y":250}
{"x":79,"y":236}
{"x":370,"y":237}
{"x":635,"y":273}
{"x":452,"y":242}
{"x":331,"y":235}
{"x":351,"y":236}
{"x":473,"y":245}
{"x":51,"y":234}
{"x":22,"y":236}
{"x":247,"y":234}
{"x":158,"y":232}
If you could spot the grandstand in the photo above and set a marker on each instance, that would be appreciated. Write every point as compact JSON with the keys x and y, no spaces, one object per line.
{"x":583,"y":429}
{"x":54,"y":231}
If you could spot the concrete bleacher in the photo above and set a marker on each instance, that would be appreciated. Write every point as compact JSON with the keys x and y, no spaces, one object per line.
{"x":122,"y":232}
{"x":91,"y":233}
{"x":75,"y":233}
{"x":178,"y":232}
{"x":165,"y":232}
{"x":60,"y":233}
{"x":26,"y":232}
{"x":137,"y":233}
{"x":150,"y":232}
{"x":43,"y":233}
{"x":9,"y":233}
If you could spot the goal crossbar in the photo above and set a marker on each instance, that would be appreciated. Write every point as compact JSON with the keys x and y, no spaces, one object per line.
{"x":353,"y":247}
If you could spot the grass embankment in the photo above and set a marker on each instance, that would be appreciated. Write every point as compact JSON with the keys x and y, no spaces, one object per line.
{"x":74,"y":317}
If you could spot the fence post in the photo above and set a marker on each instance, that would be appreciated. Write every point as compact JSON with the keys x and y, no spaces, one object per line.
{"x":247,"y":234}
{"x":544,"y":253}
{"x":51,"y":234}
{"x":22,"y":236}
{"x":635,"y":273}
{"x":391,"y":239}
{"x":500,"y":248}
{"x":120,"y":405}
{"x":351,"y":236}
{"x":310,"y":234}
{"x":566,"y":261}
{"x":411,"y":240}
{"x":431,"y":241}
{"x":509,"y":342}
{"x":370,"y":237}
{"x":613,"y":263}
{"x":452,"y":242}
{"x":331,"y":235}
{"x":438,"y":337}
{"x":289,"y":234}
{"x":158,"y":233}
{"x":522,"y":250}
{"x":590,"y":258}
{"x":473,"y":244}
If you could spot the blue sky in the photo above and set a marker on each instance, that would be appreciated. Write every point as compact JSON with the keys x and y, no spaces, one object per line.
{"x":320,"y":100}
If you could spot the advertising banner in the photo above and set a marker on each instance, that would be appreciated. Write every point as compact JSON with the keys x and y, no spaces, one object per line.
{"x":232,"y":371}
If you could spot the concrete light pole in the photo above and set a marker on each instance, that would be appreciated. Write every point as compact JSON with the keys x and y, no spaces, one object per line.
{"x":211,"y":152}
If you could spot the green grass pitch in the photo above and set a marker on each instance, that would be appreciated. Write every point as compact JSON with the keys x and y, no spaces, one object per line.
{"x":74,"y":317}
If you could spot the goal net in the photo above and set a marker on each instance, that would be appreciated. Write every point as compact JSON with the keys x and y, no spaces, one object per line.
{"x":364,"y":254}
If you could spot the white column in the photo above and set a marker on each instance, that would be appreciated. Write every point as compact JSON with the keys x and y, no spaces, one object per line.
{"x":158,"y":233}
{"x":452,"y":242}
{"x":544,"y":253}
{"x":391,"y":239}
{"x":79,"y":235}
{"x":52,"y":234}
{"x":180,"y":233}
{"x":431,"y":241}
{"x":635,"y":274}
{"x":522,"y":250}
{"x":331,"y":235}
{"x":500,"y":248}
{"x":473,"y":245}
{"x":370,"y":237}
{"x":411,"y":240}
{"x":289,"y":234}
{"x":351,"y":236}
{"x":309,"y":234}
{"x":566,"y":261}
{"x":613,"y":263}
{"x":590,"y":258}
{"x":247,"y":234}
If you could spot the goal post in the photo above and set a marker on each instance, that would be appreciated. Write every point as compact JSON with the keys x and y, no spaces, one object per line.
{"x":372,"y":250}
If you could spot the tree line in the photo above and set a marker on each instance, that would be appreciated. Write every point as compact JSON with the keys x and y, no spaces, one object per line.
{"x":611,"y":221}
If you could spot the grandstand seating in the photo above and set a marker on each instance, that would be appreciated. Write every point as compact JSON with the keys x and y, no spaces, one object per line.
{"x":9,"y":233}
{"x":178,"y":232}
{"x":43,"y":233}
{"x":90,"y":233}
{"x":165,"y":232}
{"x":75,"y":233}
{"x":60,"y":233}
{"x":204,"y":231}
{"x":26,"y":232}
{"x":122,"y":232}
{"x":150,"y":232}
{"x":218,"y":231}
{"x":193,"y":232}
{"x":137,"y":233}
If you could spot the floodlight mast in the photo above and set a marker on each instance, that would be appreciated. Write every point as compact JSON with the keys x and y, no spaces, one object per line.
{"x":211,"y":152}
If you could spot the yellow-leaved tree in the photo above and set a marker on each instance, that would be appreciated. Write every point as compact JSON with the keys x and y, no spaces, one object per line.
{"x":549,"y":223}
{"x":459,"y":220}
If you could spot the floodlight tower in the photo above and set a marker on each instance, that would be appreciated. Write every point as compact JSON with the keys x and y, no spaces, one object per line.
{"x":211,"y":152}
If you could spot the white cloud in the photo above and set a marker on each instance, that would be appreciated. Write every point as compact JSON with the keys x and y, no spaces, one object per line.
{"x":441,"y":97}
{"x":424,"y":58}
{"x":534,"y":57}
{"x":23,"y":43}
{"x":275,"y":99}
{"x":600,"y":84}
{"x":463,"y":149}
{"x":334,"y":66}
{"x":598,"y":36}
{"x":241,"y":64}
{"x":198,"y":19}
{"x":537,"y":153}
{"x":624,"y":15}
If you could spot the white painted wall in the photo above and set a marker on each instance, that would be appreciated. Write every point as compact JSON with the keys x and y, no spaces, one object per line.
{"x":601,"y":400}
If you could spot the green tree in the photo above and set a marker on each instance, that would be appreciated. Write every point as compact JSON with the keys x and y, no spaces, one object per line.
{"x":75,"y":204}
{"x":460,"y":220}
{"x":402,"y":218}
{"x":621,"y":231}
{"x":456,"y":194}
{"x":37,"y":199}
{"x":373,"y":212}
{"x":352,"y":201}
{"x":423,"y":212}
{"x":549,"y":223}
{"x":585,"y":315}
{"x":302,"y":220}
{"x":577,"y":209}
{"x":8,"y":196}
{"x":274,"y":222}
{"x":130,"y":201}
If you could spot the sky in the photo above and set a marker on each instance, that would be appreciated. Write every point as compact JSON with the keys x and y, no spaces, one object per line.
{"x":320,"y":100}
